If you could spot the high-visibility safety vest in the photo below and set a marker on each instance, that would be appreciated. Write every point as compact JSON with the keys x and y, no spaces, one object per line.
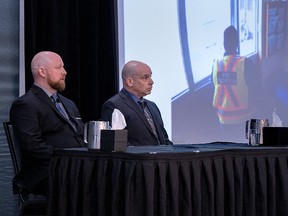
{"x":231,"y":91}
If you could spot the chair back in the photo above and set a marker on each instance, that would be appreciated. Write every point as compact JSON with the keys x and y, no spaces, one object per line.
{"x":30,"y":203}
{"x":14,"y":147}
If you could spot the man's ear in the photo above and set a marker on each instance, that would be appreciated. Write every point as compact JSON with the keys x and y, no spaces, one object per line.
{"x":42,"y":72}
{"x":129,"y":82}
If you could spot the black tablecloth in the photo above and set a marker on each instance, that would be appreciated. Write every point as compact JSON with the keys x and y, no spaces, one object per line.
{"x":203,"y":180}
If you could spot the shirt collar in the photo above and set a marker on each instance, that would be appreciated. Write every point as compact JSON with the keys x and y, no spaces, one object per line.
{"x":45,"y":90}
{"x":134,"y":97}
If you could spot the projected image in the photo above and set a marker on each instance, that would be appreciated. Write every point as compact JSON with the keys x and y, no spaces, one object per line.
{"x":247,"y":22}
{"x":239,"y":86}
{"x":214,"y":66}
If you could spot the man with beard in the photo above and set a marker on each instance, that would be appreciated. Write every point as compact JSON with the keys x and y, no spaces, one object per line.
{"x":42,"y":120}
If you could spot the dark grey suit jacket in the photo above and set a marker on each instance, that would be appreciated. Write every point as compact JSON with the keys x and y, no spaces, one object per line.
{"x":39,"y":128}
{"x":139,"y":130}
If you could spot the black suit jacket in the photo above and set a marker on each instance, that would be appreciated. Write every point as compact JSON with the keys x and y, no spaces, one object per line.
{"x":39,"y":128}
{"x":139,"y":130}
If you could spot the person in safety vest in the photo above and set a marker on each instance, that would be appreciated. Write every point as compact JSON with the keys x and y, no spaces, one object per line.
{"x":232,"y":76}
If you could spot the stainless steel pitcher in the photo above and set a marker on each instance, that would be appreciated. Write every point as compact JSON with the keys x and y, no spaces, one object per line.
{"x":254,"y":131}
{"x":92,"y":133}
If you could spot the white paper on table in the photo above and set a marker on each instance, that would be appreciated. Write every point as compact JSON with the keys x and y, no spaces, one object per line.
{"x":118,"y":120}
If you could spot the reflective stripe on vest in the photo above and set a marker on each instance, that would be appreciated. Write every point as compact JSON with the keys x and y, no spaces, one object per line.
{"x":231,"y":90}
{"x":230,"y":68}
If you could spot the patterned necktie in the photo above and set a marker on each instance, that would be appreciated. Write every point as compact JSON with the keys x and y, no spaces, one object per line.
{"x":61,"y":109}
{"x":148,"y":117}
{"x":58,"y":105}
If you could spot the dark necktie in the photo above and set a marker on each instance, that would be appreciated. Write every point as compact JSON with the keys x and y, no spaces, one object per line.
{"x":61,"y":109}
{"x":58,"y":105}
{"x":148,"y":116}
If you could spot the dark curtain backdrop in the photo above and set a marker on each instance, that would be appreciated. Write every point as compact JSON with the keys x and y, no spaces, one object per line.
{"x":84,"y":34}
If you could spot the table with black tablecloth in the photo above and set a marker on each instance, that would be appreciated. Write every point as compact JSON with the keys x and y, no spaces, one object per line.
{"x":203,"y":180}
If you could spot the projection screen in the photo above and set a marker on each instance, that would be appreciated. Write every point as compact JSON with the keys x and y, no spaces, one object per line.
{"x":181,"y":39}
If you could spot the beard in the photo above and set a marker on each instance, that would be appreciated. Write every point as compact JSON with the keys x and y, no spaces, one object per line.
{"x":57,"y":85}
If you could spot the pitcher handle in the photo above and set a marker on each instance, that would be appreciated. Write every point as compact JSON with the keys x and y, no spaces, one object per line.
{"x":85,"y":132}
{"x":246,"y":129}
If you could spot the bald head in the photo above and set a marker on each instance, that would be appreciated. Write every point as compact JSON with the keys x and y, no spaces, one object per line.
{"x":42,"y":60}
{"x":131,"y":68}
{"x":137,"y":79}
{"x":48,"y":71}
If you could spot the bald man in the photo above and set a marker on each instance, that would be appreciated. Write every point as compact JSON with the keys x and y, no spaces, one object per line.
{"x":143,"y":118}
{"x":39,"y":124}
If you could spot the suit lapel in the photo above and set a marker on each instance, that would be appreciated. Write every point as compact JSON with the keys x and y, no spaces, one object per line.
{"x":131,"y":103}
{"x":155,"y":118}
{"x":158,"y":123}
{"x":71,"y":114}
{"x":41,"y":95}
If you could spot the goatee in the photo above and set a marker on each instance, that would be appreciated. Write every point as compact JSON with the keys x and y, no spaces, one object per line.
{"x":59,"y":86}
